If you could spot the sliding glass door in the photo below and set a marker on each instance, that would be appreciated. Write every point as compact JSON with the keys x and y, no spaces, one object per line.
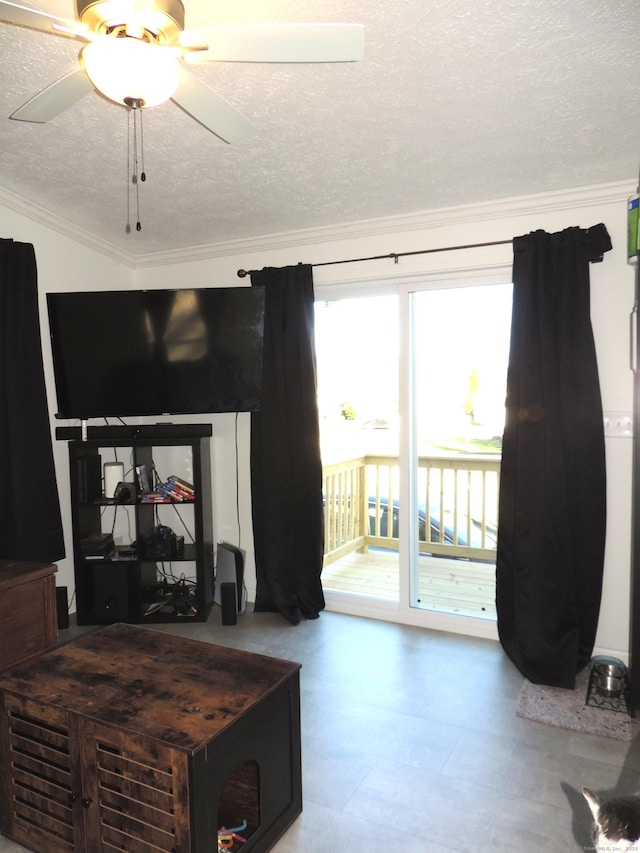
{"x":411,"y":391}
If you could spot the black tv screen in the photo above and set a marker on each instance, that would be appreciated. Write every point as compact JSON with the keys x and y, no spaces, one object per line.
{"x":155,"y":352}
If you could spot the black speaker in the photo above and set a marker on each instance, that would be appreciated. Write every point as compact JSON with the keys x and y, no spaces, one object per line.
{"x":89,"y":478}
{"x":112,"y":596}
{"x":228,"y":603}
{"x":62,"y":607}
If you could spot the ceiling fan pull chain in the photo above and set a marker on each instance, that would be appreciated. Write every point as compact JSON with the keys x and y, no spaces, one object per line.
{"x":134,"y":179}
{"x":133,"y":106}
{"x":128,"y":225}
{"x":134,"y":176}
{"x":143,"y":176}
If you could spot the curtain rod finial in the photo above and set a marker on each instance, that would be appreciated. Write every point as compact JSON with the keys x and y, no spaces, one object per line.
{"x":242,"y":273}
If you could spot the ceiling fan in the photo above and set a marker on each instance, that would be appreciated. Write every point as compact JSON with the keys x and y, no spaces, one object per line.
{"x":136,"y":54}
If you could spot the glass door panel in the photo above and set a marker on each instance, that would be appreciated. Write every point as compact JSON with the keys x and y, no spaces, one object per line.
{"x":357,"y":350}
{"x":459,"y":352}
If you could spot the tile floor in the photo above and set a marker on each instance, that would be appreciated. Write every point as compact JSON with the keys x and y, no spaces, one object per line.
{"x":411,"y":743}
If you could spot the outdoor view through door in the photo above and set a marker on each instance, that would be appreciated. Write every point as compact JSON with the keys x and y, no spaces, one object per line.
{"x":453,"y":365}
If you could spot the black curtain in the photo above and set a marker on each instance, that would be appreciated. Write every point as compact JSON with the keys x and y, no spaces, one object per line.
{"x":286,"y":467}
{"x":552,"y":486}
{"x":30,"y":523}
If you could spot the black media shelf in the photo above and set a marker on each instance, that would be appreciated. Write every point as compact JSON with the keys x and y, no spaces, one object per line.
{"x":139,"y":582}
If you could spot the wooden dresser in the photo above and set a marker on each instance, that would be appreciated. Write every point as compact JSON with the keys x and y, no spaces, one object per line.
{"x":132,"y":739}
{"x":28,"y":619}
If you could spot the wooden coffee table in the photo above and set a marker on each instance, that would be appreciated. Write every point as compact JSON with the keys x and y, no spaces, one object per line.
{"x":137,"y":740}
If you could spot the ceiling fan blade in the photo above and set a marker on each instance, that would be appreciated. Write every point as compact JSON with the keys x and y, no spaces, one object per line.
{"x":32,"y":19}
{"x":211,"y":109}
{"x":56,"y":98}
{"x":277,"y":43}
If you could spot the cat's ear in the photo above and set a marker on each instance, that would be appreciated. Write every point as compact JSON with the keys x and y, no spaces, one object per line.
{"x":594,"y":802}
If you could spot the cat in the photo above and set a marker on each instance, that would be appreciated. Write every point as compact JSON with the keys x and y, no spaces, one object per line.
{"x":616,"y":822}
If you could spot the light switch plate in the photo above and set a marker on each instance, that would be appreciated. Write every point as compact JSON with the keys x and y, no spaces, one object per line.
{"x":618,"y":424}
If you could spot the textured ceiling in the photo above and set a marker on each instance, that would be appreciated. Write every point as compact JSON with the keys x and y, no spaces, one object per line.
{"x":455,"y":101}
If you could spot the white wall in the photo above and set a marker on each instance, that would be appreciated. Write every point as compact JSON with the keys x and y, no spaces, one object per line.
{"x":65,"y":264}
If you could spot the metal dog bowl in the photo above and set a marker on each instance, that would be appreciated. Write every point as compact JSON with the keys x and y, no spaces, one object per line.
{"x":609,"y":686}
{"x":609,"y":678}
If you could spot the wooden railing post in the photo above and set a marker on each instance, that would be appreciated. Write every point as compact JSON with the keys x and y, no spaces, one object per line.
{"x":363,"y":507}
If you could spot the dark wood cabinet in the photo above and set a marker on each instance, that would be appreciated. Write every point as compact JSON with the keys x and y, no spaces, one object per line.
{"x":73,"y":781}
{"x":28,"y":619}
{"x":131,"y":739}
{"x":143,"y":579}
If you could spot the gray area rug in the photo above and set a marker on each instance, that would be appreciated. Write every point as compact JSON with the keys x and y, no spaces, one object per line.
{"x":567,"y":709}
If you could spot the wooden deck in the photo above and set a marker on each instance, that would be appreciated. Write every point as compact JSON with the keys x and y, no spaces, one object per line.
{"x":461,"y":587}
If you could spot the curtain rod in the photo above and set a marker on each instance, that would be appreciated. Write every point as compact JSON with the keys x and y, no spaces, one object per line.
{"x":396,"y":255}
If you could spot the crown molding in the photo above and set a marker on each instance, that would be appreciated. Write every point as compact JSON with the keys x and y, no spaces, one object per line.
{"x":476,"y":213}
{"x":63,"y":226}
{"x":538,"y":203}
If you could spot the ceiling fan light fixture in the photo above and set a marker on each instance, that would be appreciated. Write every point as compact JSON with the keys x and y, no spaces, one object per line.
{"x":163,"y":18}
{"x":129,"y":70}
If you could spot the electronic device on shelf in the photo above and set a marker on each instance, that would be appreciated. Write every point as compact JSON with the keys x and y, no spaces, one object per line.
{"x":161,"y":543}
{"x":125,"y":493}
{"x":97,"y":546}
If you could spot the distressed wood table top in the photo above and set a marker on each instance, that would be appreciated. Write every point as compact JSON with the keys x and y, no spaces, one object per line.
{"x":180,"y":691}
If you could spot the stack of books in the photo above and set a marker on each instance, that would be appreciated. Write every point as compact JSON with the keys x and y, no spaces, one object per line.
{"x":154,"y":498}
{"x":174,"y":489}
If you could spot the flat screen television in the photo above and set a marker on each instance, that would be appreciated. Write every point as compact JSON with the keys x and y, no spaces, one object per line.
{"x":157,"y":352}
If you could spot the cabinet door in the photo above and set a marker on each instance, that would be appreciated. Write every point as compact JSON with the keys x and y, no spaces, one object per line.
{"x":139,"y":792}
{"x":41,"y":791}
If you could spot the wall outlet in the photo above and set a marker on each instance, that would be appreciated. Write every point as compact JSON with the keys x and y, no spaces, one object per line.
{"x":618,"y":424}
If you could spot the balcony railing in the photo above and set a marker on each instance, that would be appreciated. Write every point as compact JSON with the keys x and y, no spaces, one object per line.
{"x":457,"y":501}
